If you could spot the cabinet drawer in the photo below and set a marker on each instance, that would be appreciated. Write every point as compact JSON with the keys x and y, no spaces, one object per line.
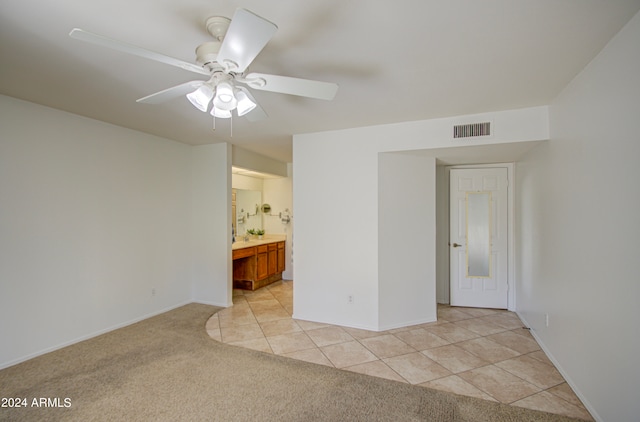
{"x":280,"y":245}
{"x":262,"y":249}
{"x":272,"y":246}
{"x":243,"y":253}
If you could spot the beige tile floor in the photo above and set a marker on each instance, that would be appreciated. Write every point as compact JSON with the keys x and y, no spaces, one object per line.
{"x":482,"y":353}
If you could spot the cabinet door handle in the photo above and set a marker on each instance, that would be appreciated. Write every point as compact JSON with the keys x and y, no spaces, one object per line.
{"x":456,"y":245}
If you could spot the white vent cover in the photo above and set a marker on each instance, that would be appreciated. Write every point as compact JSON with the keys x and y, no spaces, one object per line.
{"x":472,"y":130}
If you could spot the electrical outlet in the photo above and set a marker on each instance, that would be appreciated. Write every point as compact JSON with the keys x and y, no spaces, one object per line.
{"x":546,"y":319}
{"x":350,"y":299}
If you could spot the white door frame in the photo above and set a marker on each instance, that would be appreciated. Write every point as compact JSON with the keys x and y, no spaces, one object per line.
{"x":511,"y":294}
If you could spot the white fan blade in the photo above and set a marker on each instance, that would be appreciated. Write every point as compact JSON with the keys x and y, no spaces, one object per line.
{"x":257,"y":113}
{"x":170,"y":93}
{"x":246,"y":37}
{"x":293,"y":86}
{"x":83,"y":35}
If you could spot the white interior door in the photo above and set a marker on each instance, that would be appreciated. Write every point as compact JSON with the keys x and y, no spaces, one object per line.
{"x":478,"y":237}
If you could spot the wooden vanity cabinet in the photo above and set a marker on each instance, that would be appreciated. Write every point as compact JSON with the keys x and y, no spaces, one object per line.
{"x":262,"y":269}
{"x":258,"y":266}
{"x":280,"y":253}
{"x":272,"y":259}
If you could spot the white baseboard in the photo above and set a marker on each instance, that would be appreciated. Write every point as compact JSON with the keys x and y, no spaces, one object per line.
{"x":564,"y":374}
{"x":7,"y":364}
{"x":218,"y":304}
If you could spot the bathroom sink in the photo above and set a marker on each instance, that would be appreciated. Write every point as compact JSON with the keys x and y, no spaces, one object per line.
{"x":242,"y":244}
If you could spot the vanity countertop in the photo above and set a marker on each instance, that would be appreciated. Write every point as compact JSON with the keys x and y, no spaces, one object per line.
{"x":269,"y":238}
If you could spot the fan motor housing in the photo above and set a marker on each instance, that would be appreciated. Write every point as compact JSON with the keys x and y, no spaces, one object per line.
{"x":207,"y":53}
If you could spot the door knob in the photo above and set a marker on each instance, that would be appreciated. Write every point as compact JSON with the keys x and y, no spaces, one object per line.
{"x":456,"y":245}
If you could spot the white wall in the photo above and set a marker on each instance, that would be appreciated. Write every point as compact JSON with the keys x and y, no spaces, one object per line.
{"x":250,"y":160}
{"x":211,"y":224}
{"x":93,"y":217}
{"x":239,"y":181}
{"x":578,"y":243}
{"x":336,"y":203}
{"x":102,"y":226}
{"x":406,"y":212}
{"x":335,"y":223}
{"x":442,"y":235}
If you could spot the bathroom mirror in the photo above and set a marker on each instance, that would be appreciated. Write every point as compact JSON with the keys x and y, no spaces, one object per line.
{"x":247,"y":210}
{"x":478,"y":234}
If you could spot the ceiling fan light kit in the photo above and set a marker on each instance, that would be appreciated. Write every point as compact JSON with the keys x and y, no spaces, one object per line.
{"x":245,"y":104}
{"x":237,"y":42}
{"x":220,"y":114}
{"x":201,"y":97}
{"x":224,"y":98}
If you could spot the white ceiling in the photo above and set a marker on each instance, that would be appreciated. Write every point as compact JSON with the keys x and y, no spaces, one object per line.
{"x":394,"y":61}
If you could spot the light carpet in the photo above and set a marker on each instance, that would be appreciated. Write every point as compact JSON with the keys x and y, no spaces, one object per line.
{"x":167,"y":368}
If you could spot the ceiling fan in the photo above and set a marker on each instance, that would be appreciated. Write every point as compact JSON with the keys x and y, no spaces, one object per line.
{"x":224,"y":60}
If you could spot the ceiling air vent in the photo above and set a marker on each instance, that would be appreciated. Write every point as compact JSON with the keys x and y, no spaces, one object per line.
{"x":472,"y":130}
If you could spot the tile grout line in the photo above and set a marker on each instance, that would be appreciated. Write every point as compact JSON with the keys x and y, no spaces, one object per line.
{"x":382,"y":360}
{"x":504,"y":326}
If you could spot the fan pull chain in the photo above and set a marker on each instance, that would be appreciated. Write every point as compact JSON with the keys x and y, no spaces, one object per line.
{"x":230,"y":121}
